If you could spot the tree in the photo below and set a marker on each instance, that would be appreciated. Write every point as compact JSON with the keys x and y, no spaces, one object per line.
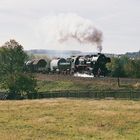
{"x":13,"y":78}
{"x":125,"y":67}
{"x":116,"y":67}
{"x":132,"y":69}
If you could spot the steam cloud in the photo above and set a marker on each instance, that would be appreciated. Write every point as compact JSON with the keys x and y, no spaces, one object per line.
{"x":70,"y":26}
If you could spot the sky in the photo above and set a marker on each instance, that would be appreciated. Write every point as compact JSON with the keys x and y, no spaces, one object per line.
{"x":119,"y":20}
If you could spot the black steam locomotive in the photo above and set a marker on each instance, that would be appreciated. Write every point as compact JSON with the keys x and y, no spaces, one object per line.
{"x":89,"y":64}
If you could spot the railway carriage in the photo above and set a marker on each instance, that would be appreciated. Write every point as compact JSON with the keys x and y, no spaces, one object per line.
{"x":90,"y":64}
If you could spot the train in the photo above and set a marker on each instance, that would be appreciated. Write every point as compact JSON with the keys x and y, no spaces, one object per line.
{"x":90,"y":64}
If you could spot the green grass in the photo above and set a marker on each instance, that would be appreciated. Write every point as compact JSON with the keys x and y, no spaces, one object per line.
{"x":67,"y":82}
{"x":60,"y":82}
{"x":60,"y":85}
{"x":70,"y":119}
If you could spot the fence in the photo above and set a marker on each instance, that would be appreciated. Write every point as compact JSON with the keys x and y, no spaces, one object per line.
{"x":97,"y":94}
{"x":3,"y":96}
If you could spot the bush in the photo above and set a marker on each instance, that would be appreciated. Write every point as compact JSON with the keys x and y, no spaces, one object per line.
{"x":13,"y":78}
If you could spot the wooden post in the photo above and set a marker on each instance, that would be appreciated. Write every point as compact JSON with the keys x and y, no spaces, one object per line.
{"x":118,"y":79}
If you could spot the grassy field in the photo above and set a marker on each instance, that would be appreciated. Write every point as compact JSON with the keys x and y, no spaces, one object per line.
{"x":55,"y":82}
{"x":70,"y":119}
{"x":62,"y":82}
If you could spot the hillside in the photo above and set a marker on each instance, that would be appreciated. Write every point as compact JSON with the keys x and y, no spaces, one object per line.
{"x":54,"y":53}
{"x":133,"y":54}
{"x":68,"y":53}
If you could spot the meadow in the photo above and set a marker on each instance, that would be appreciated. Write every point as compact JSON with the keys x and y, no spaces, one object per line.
{"x":69,"y":82}
{"x":70,"y":119}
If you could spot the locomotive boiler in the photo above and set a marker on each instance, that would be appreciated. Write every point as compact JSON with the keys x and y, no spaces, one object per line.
{"x":60,"y":65}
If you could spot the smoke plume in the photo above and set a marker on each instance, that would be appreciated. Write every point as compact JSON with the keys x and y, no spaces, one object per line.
{"x":70,"y":26}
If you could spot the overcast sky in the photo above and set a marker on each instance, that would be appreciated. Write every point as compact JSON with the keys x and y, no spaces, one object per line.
{"x":119,"y":21}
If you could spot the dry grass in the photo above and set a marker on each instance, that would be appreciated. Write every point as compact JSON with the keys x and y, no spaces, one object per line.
{"x":70,"y":119}
{"x":137,"y":85}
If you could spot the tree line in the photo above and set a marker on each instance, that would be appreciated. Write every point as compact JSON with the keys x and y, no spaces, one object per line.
{"x":124,"y":67}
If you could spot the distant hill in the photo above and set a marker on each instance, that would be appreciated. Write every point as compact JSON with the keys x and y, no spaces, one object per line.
{"x":68,"y":53}
{"x":132,"y":55}
{"x":135,"y":55}
{"x":55,"y":53}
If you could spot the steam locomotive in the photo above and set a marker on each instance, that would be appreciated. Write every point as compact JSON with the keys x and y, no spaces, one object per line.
{"x":89,"y":64}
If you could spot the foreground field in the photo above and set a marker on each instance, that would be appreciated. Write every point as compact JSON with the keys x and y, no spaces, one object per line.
{"x":70,"y":119}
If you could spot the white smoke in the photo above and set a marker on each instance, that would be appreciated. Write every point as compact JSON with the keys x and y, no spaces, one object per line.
{"x":63,"y":27}
{"x":83,"y":75}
